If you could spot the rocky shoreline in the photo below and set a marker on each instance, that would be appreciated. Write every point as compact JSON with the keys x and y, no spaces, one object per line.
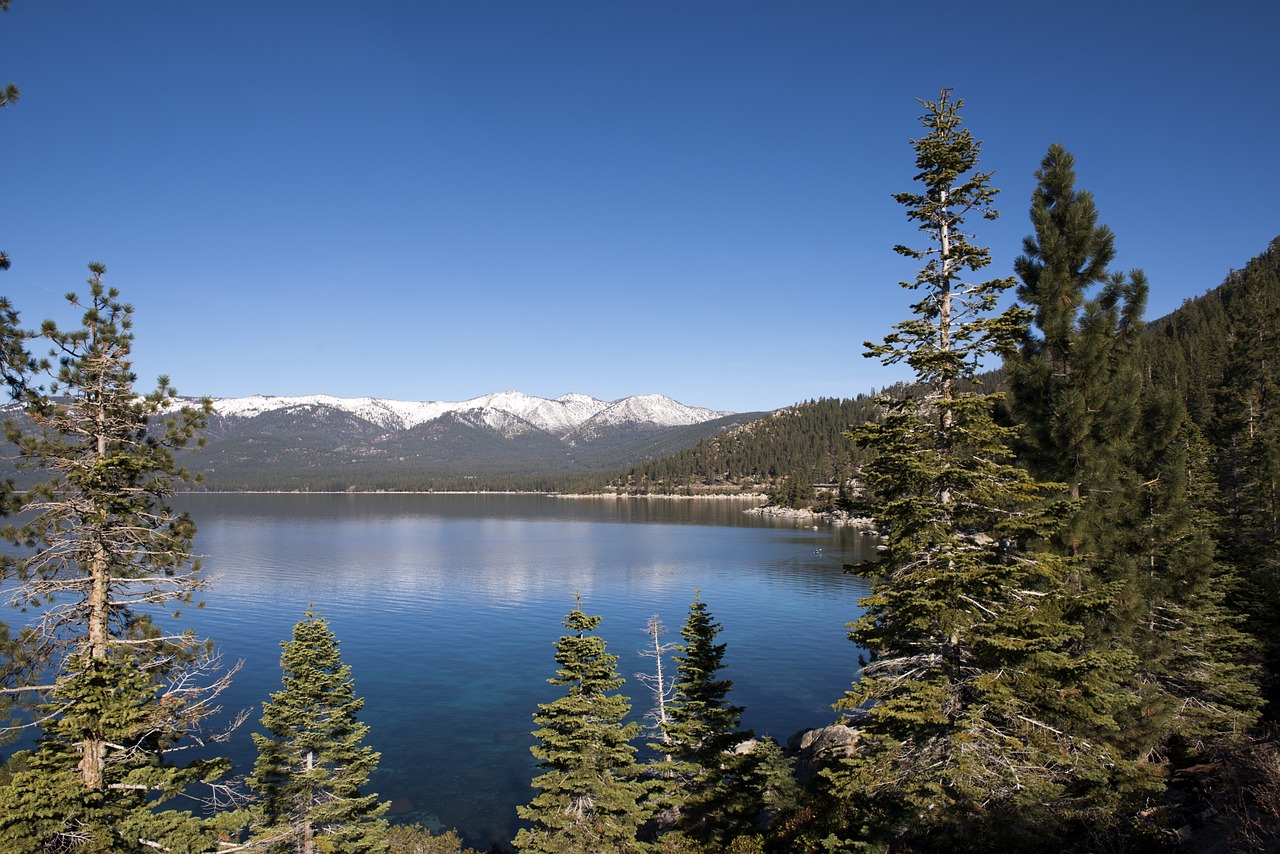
{"x":830,"y":517}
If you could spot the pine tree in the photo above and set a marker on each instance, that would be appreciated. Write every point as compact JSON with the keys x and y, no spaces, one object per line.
{"x":115,"y":692}
{"x":1120,"y":437}
{"x":590,"y":795}
{"x":47,"y":806}
{"x":711,"y":788}
{"x":1190,"y":641}
{"x":1246,"y":432}
{"x":1076,"y":384}
{"x":313,"y":762}
{"x":977,"y":707}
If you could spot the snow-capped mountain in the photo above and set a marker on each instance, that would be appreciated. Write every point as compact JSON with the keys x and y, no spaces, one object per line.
{"x":560,"y":416}
{"x":325,"y":442}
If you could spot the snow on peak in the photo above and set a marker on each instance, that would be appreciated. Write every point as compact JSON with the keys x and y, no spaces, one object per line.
{"x":654,"y":409}
{"x":560,"y":416}
{"x":391,"y":414}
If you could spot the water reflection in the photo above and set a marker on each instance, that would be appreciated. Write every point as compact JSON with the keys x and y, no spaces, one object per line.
{"x":447,"y":607}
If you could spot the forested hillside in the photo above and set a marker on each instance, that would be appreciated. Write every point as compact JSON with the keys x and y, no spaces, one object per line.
{"x":804,"y":443}
{"x":1199,"y":347}
{"x":1220,"y":352}
{"x":785,"y":454}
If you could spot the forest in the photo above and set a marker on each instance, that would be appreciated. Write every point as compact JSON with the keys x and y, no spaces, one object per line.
{"x":1069,"y":640}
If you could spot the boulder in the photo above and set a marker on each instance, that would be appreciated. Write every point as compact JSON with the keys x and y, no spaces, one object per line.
{"x":817,"y":748}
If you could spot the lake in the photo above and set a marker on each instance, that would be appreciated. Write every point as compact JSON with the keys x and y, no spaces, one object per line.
{"x":447,"y":608}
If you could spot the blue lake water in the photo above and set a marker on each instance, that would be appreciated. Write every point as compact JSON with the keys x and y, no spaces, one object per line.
{"x":447,"y":608}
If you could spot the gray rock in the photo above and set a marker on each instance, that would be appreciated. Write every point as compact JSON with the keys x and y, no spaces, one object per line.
{"x":817,"y":748}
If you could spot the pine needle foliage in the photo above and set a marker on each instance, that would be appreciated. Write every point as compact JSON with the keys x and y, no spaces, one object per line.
{"x":591,"y":798}
{"x":1199,"y":682}
{"x":1245,"y":428}
{"x":312,"y":762}
{"x":1093,"y":418}
{"x":46,"y":805}
{"x":712,"y":783}
{"x":1076,"y":384}
{"x":1216,"y":353}
{"x":100,"y":553}
{"x":976,"y":706}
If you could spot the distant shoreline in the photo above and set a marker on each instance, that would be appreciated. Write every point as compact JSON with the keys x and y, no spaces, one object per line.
{"x":752,"y":496}
{"x":755,"y":496}
{"x":831,"y":518}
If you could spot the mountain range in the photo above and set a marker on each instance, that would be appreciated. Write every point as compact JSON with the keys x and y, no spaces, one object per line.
{"x":325,"y":442}
{"x":510,"y":413}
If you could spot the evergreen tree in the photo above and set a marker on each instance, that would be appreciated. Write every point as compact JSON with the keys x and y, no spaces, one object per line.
{"x":1246,"y":432}
{"x":1076,"y":384}
{"x":711,"y":788}
{"x":313,"y":762}
{"x":99,"y":544}
{"x":46,"y":806}
{"x":1119,"y":436}
{"x":590,"y":795}
{"x":772,"y":774}
{"x":416,"y":839}
{"x":977,"y":707}
{"x":1193,"y":651}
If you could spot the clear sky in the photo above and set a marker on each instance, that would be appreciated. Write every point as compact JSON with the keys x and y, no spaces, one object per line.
{"x":430,"y":200}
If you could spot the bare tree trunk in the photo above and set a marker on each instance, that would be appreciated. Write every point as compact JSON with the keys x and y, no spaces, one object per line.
{"x":944,"y":331}
{"x":308,"y":832}
{"x":93,"y":748}
{"x":656,"y":682}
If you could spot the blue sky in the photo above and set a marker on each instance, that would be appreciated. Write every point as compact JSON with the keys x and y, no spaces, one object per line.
{"x":435,"y":200}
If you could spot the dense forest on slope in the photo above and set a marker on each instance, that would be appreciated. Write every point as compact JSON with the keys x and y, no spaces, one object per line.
{"x":805,"y":442}
{"x":785,"y":454}
{"x":1221,"y":353}
{"x":1195,"y":347}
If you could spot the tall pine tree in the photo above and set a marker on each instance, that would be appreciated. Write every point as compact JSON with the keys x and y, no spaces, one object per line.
{"x":976,"y":711}
{"x":590,"y":794}
{"x":1093,"y":418}
{"x":101,"y":555}
{"x":1076,"y":383}
{"x":313,"y":762}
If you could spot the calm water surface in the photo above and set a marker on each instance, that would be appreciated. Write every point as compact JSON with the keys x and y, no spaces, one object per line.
{"x":447,"y":608}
